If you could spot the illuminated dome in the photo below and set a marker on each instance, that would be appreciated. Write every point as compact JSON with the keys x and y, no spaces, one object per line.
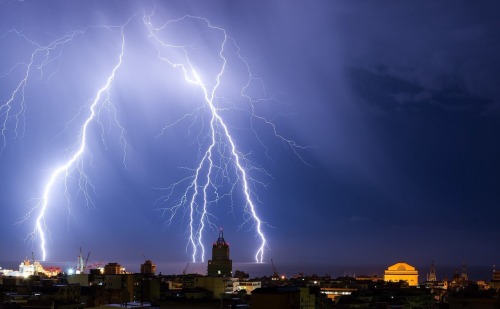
{"x":401,"y":267}
{"x":401,"y":271}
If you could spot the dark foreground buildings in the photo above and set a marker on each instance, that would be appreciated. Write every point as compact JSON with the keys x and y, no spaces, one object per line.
{"x":113,"y":288}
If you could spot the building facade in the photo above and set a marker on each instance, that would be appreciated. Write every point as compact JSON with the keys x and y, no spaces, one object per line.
{"x":401,"y":272}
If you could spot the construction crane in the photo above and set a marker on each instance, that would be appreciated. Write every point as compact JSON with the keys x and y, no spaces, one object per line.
{"x":86,"y":262}
{"x":79,"y":265}
{"x":82,"y":265}
{"x":184,"y":271}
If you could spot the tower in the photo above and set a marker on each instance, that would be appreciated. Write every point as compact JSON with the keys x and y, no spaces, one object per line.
{"x":148,"y":267}
{"x":432,"y":273}
{"x":464,"y":273}
{"x":220,"y":264}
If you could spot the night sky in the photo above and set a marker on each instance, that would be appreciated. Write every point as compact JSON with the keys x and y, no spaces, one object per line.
{"x":397,"y":104}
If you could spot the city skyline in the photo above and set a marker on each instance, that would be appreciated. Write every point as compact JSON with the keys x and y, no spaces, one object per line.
{"x":400,"y":118}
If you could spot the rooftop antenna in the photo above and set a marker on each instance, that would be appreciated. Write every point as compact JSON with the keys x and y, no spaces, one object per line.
{"x":35,"y":272}
{"x":221,"y":240}
{"x":275,"y":275}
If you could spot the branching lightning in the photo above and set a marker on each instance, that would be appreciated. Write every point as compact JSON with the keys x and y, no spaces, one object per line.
{"x":74,"y":162}
{"x":222,"y":171}
{"x":220,"y":160}
{"x":12,"y":110}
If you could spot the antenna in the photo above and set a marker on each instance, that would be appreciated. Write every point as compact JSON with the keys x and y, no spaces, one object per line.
{"x":275,"y":275}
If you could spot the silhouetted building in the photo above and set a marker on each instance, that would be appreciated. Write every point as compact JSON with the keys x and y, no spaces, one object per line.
{"x":220,"y":264}
{"x":473,"y":297}
{"x":495,"y":279}
{"x":459,"y":281}
{"x":217,"y":285}
{"x":119,"y":288}
{"x":276,"y":298}
{"x":81,"y":279}
{"x":148,"y":267}
{"x":146,"y":288}
{"x":241,"y":275}
{"x":464,"y":276}
{"x":496,"y":275}
{"x":112,"y":269}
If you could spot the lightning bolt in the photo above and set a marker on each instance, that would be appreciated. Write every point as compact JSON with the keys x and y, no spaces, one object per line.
{"x":12,"y":110}
{"x":74,"y":162}
{"x":220,"y":160}
{"x":222,"y":171}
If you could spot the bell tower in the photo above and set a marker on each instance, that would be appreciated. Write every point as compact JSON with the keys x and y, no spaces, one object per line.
{"x":220,"y":264}
{"x":432,"y":275}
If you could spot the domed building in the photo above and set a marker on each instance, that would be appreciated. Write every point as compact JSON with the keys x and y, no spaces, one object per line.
{"x":401,"y":271}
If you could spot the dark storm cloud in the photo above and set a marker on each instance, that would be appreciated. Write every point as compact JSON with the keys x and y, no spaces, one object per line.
{"x":393,"y":94}
{"x":432,"y":71}
{"x":433,"y":44}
